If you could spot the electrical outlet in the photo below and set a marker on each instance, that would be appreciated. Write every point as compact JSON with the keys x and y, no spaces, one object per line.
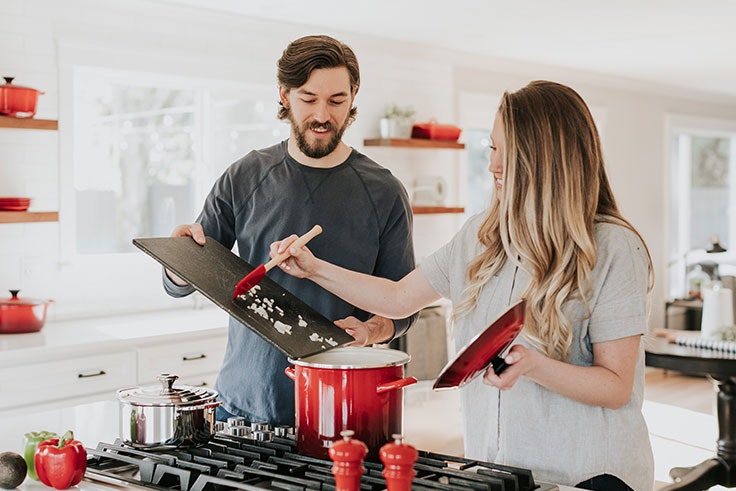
{"x":30,"y":267}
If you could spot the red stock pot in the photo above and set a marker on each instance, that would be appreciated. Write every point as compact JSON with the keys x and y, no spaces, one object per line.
{"x":349,"y":388}
{"x":21,"y":315}
{"x":17,"y":101}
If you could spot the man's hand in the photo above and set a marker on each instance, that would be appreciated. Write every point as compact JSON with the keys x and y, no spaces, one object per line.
{"x":373,"y":331}
{"x":193,"y":230}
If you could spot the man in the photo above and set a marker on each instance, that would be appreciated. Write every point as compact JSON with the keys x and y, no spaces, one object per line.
{"x":311,"y":178}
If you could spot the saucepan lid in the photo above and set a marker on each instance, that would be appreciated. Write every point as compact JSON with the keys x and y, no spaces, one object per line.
{"x":165,"y":394}
{"x":16,"y":301}
{"x":483,"y":350}
{"x":9,"y":85}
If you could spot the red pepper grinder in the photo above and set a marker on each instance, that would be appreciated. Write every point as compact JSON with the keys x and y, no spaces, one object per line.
{"x":398,"y":464}
{"x":347,"y":455}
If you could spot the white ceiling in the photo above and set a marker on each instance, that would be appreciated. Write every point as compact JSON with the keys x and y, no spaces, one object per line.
{"x":682,"y":43}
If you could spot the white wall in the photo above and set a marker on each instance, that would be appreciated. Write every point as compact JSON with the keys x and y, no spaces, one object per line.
{"x":42,"y":39}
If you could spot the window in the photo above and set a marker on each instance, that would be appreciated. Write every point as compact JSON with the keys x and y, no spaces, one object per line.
{"x":702,"y":188}
{"x":152,"y":147}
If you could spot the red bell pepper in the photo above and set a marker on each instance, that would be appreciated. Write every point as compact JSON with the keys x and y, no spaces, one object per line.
{"x":61,"y":462}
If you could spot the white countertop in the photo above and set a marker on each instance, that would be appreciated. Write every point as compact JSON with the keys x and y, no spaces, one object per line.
{"x":91,"y":423}
{"x":58,"y":339}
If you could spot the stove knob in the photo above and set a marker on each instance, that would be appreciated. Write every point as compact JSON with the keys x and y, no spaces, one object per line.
{"x":283,"y":431}
{"x":263,"y":435}
{"x":347,"y":455}
{"x":259,"y":426}
{"x":398,"y":464}
{"x":242,"y":431}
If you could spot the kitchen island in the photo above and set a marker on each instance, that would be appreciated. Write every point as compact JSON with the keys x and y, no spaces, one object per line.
{"x":92,"y":423}
{"x":58,"y":387}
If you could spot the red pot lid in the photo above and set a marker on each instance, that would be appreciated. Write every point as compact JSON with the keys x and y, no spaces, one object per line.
{"x":10,"y":85}
{"x":476,"y":356}
{"x":16,"y":300}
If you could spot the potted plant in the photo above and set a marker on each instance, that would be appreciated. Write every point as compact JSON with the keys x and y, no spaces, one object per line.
{"x":397,"y":121}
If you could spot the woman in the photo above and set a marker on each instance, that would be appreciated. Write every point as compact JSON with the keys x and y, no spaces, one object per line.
{"x":569,"y":404}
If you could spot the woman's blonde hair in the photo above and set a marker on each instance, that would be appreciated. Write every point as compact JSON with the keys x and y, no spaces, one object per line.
{"x":554,"y":190}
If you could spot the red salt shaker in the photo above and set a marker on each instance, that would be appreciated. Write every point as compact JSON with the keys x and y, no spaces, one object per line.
{"x":347,"y":455}
{"x":398,"y":464}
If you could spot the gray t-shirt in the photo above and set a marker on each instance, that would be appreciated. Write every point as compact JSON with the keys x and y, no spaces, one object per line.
{"x":561,"y":440}
{"x":366,"y":219}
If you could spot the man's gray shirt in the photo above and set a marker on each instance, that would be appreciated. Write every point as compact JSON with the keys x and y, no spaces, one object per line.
{"x":267,"y":195}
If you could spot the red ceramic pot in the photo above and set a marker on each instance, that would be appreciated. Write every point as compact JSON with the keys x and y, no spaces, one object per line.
{"x":350,"y":388}
{"x":17,"y":101}
{"x":21,"y":315}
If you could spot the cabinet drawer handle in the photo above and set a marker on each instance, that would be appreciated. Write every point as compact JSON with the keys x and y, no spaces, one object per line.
{"x":191,"y":358}
{"x":88,"y":375}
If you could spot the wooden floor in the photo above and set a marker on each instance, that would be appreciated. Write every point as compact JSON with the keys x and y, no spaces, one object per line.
{"x":676,"y":389}
{"x":681,"y":415}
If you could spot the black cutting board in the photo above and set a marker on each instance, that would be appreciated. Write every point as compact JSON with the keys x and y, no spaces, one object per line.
{"x":268,"y":309}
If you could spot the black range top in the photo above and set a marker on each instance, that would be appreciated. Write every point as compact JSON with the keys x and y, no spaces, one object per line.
{"x":232,"y":462}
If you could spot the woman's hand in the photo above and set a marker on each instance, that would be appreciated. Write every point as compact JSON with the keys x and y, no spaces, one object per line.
{"x":301,"y":264}
{"x":520,"y":360}
{"x":607,"y":383}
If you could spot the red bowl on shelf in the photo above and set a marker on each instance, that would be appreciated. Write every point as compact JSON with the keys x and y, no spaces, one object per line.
{"x":14,"y":204}
{"x":435,"y":131}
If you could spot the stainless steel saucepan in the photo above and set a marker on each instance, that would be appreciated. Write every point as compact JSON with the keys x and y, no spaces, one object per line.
{"x":164,"y":416}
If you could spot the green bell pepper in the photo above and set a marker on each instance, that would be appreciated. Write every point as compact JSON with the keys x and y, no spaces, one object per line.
{"x":30,"y":443}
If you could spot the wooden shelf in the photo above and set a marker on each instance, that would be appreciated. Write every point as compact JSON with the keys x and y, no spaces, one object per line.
{"x":29,"y":123}
{"x":28,"y":216}
{"x":429,"y":210}
{"x":412,"y":143}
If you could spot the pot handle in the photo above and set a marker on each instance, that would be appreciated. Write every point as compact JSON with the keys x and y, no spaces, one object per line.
{"x":290,"y":372}
{"x":396,"y":384}
{"x":213,"y":405}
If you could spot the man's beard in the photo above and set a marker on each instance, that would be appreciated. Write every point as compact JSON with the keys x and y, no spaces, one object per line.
{"x":318,"y":150}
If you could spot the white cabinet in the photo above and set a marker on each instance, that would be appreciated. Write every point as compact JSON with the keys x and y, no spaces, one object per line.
{"x":196,"y":361}
{"x":71,"y":378}
{"x":89,"y":360}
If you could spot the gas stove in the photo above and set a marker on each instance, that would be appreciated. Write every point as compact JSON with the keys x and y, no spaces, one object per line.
{"x":234,"y":462}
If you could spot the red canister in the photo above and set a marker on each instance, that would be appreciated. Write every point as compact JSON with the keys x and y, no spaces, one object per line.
{"x":356,"y":388}
{"x":347,"y":455}
{"x":398,"y":464}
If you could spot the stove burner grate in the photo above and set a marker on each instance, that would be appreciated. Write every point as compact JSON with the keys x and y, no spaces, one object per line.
{"x":230,"y":462}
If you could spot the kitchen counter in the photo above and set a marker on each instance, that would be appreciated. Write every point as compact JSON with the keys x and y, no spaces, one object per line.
{"x":60,"y":339}
{"x":91,"y":423}
{"x":79,"y":361}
